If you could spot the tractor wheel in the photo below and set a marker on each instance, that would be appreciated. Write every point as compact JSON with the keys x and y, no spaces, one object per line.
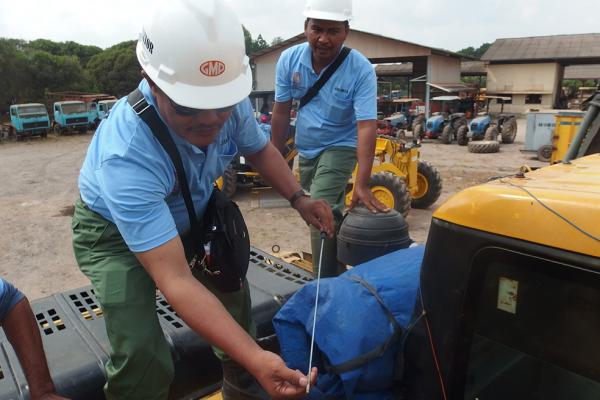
{"x":491,"y":134}
{"x":429,"y":185}
{"x":447,"y":134}
{"x":418,"y":131}
{"x":461,"y":135}
{"x":544,"y":153}
{"x":391,"y":190}
{"x":508,"y":131}
{"x":484,"y":146}
{"x":228,"y":182}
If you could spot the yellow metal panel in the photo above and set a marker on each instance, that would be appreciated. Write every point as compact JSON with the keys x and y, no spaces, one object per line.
{"x":503,"y":206}
{"x":566,"y":129}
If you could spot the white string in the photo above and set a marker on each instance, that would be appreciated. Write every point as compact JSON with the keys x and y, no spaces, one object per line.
{"x":312,"y":339}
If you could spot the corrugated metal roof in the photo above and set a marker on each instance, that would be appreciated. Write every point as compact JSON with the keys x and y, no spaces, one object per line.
{"x":467,"y":68}
{"x":301,"y":38}
{"x":545,"y":48}
{"x":582,"y":72}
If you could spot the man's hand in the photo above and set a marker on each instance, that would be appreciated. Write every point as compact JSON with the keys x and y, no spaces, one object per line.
{"x":279,"y":381}
{"x":316,"y":213}
{"x":363,"y":195}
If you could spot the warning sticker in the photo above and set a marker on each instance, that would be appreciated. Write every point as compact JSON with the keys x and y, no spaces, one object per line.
{"x":508,"y":290}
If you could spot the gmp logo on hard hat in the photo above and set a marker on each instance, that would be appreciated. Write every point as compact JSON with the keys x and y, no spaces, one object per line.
{"x":212,"y":68}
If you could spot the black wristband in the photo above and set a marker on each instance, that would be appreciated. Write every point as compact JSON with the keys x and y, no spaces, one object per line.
{"x":296,"y":196}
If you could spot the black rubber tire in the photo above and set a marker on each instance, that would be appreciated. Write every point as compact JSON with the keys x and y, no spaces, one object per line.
{"x":508,"y":131}
{"x":447,"y":134}
{"x":544,"y":153}
{"x":491,"y":134}
{"x":418,"y":131}
{"x":229,"y":181}
{"x":434,"y":185}
{"x":397,"y":187}
{"x":462,"y":137}
{"x":484,"y":146}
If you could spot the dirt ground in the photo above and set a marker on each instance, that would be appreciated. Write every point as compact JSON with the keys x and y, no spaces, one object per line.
{"x":39,"y":187}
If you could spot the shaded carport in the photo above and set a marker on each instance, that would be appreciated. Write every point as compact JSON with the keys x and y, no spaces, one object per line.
{"x":437,"y":65}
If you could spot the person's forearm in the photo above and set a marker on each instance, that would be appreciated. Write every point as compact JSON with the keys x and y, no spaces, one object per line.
{"x":214,"y":323}
{"x":272,"y":167}
{"x":365,"y":151}
{"x":23,"y":333}
{"x":196,"y":305}
{"x":280,"y":124}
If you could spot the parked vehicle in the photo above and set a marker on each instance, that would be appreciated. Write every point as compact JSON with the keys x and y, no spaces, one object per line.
{"x":446,"y":124}
{"x":70,"y":116}
{"x":489,"y":127}
{"x":104,"y":107}
{"x":28,"y":120}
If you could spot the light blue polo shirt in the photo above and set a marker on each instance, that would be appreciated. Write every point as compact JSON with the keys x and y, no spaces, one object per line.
{"x":129,"y":179}
{"x":10,"y":296}
{"x":329,"y":119}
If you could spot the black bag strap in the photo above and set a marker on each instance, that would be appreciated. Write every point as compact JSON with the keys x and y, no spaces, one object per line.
{"x":378,"y":351}
{"x":314,"y":89}
{"x":149,"y":115}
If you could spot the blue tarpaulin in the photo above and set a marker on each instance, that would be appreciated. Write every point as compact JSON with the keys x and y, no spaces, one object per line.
{"x":352,"y":322}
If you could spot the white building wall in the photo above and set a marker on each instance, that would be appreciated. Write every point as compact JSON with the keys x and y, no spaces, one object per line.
{"x":444,"y":69}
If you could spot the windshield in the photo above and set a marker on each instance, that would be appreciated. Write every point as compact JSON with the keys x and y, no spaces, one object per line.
{"x":73,"y":108}
{"x":33,"y":109}
{"x":107,"y":105}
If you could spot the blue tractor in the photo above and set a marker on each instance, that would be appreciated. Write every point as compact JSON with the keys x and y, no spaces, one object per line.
{"x":446,"y":125}
{"x":28,"y":120}
{"x":485,"y":127}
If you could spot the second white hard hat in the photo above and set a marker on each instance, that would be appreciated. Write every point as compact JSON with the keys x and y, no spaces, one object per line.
{"x":331,"y":10}
{"x":194,"y":50}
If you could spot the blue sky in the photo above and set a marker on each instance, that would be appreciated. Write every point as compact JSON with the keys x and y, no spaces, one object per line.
{"x":447,"y":24}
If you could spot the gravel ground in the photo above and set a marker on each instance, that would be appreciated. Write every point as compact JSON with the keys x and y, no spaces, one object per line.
{"x":39,"y":187}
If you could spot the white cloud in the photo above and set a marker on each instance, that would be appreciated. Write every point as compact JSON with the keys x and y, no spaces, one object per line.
{"x":439,"y":23}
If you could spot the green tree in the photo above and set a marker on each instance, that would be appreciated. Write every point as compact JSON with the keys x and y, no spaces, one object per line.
{"x":276,"y":40}
{"x":475,"y":52}
{"x":116,"y":70}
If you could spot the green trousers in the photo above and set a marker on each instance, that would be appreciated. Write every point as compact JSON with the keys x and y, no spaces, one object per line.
{"x":326,"y":177}
{"x":140,"y":365}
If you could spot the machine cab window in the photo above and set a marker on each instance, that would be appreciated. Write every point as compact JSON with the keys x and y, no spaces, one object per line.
{"x":534,"y":326}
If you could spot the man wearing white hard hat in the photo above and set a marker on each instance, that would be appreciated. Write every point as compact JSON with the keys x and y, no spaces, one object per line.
{"x":335,"y":127}
{"x":133,"y":211}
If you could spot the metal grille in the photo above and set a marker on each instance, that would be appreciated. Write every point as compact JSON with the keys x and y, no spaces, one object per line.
{"x":39,"y":124}
{"x":50,"y":321}
{"x":86,"y":304}
{"x":80,"y":120}
{"x":272,"y":265}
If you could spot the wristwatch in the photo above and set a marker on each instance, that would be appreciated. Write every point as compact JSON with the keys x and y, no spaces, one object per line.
{"x":296,"y":196}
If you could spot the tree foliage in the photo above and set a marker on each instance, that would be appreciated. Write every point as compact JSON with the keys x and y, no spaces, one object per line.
{"x":31,"y":69}
{"x":475,"y":52}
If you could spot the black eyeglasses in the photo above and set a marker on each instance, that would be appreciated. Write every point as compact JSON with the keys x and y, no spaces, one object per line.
{"x":188,"y":112}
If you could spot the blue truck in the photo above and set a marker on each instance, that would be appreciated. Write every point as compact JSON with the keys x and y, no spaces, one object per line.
{"x":28,"y":120}
{"x":103,"y":108}
{"x":71,"y":116}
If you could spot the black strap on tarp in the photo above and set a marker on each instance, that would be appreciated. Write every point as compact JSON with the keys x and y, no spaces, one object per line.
{"x":314,"y":89}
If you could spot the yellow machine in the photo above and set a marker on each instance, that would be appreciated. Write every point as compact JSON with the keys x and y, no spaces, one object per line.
{"x":566,"y":127}
{"x":399,"y":179}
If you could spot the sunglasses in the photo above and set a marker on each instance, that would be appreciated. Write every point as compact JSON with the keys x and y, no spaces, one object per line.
{"x":187,"y":111}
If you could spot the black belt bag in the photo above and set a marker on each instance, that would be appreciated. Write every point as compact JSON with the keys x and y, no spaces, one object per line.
{"x":218,"y":242}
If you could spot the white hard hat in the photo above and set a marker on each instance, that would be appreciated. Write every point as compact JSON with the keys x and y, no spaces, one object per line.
{"x":331,"y":10}
{"x":194,"y":50}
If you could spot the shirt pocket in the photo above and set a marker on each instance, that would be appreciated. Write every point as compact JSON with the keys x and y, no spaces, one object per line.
{"x":339,"y":108}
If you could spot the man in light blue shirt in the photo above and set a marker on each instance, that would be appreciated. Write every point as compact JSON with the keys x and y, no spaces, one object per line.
{"x":131,"y":215}
{"x":337,"y":126}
